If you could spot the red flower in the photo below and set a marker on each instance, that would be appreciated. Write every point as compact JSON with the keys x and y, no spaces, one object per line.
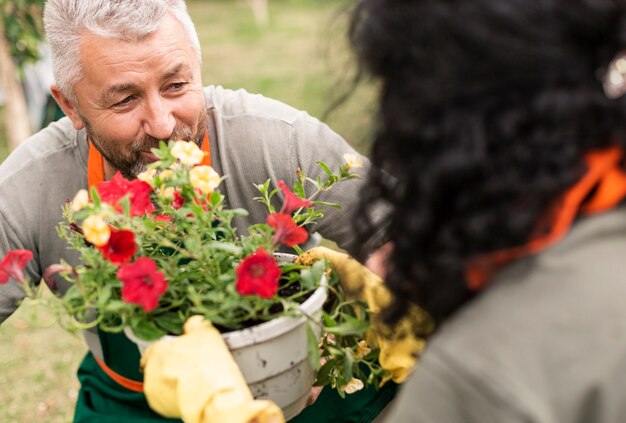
{"x":138,"y":191}
{"x":258,"y":274}
{"x":287,"y":232}
{"x":12,"y":265}
{"x":143,"y":283}
{"x":292,"y":201}
{"x":120,"y":248}
{"x":178,"y":200}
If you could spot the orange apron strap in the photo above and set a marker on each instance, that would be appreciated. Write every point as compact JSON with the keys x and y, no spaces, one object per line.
{"x":131,"y":385}
{"x":206,"y":147}
{"x":603,"y":173}
{"x":95,"y":167}
{"x":95,"y":162}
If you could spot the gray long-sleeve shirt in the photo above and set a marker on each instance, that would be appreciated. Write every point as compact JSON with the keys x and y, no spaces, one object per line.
{"x":545,"y":343}
{"x":253,"y":138}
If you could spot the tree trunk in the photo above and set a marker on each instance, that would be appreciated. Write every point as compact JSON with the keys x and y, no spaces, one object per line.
{"x":261,"y":12}
{"x":15,"y":111}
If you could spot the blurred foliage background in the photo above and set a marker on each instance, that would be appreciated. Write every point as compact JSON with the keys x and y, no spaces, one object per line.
{"x":299,"y":56}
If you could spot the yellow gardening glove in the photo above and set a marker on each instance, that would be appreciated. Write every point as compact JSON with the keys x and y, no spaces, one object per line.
{"x":399,"y":347}
{"x":194,"y":377}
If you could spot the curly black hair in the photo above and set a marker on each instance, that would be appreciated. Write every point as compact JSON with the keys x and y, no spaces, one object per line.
{"x":486,"y":108}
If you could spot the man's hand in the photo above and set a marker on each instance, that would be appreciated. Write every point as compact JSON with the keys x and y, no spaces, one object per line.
{"x":398,"y":345}
{"x":194,"y":377}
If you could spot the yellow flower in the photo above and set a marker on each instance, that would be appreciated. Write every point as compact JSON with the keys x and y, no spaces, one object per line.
{"x":166,"y":174}
{"x":80,"y":201}
{"x":187,"y":152}
{"x":204,"y":178}
{"x":167,"y":192}
{"x":147,"y":175}
{"x":362,"y":349}
{"x":96,"y":230}
{"x":352,"y":161}
{"x":352,"y":386}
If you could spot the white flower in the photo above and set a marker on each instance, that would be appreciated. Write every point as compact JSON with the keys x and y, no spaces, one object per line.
{"x":352,"y":386}
{"x":80,"y":201}
{"x":204,"y":178}
{"x":187,"y":152}
{"x":352,"y":161}
{"x":96,"y":230}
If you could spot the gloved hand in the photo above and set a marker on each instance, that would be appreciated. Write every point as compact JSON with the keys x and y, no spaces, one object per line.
{"x":194,"y":377}
{"x":398,"y":345}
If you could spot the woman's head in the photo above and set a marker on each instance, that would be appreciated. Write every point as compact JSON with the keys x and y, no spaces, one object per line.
{"x":486,"y":108}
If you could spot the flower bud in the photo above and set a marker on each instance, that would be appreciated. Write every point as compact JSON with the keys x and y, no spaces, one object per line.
{"x":80,"y":201}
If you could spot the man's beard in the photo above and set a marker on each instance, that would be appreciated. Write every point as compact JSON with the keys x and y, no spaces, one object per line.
{"x":130,"y":161}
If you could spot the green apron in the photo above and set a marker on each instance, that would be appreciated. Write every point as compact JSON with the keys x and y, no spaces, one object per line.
{"x":102,"y":400}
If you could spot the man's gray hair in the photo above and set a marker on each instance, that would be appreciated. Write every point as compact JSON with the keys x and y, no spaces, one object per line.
{"x":66,"y":20}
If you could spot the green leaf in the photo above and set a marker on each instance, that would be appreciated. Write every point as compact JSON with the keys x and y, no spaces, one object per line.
{"x":323,"y":375}
{"x":115,"y":306}
{"x":350,"y":327}
{"x":328,"y":321}
{"x":222,"y":246}
{"x":95,"y":197}
{"x":171,"y":323}
{"x":348,"y":363}
{"x":298,"y":189}
{"x":312,"y":341}
{"x":326,"y":169}
{"x":146,"y":330}
{"x":126,"y":205}
{"x":192,"y":243}
{"x":327,"y":204}
{"x":307,"y":280}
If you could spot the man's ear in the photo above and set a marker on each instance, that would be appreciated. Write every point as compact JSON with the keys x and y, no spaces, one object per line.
{"x":68,"y":108}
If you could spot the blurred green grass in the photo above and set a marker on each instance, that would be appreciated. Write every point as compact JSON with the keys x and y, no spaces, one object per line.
{"x":300,"y":58}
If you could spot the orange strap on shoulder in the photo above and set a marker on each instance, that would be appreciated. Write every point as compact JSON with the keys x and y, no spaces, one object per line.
{"x":604,"y":174}
{"x":131,"y":385}
{"x":95,"y":162}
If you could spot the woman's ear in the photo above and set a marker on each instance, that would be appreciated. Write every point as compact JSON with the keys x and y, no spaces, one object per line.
{"x":67,"y":106}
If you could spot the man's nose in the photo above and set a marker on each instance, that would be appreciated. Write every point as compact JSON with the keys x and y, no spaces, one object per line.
{"x":158,"y":119}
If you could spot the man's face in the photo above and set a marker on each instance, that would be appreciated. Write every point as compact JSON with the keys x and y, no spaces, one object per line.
{"x":135,"y":94}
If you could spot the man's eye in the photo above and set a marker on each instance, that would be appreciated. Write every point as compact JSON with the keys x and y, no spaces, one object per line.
{"x":177,"y":85}
{"x":124,"y":102}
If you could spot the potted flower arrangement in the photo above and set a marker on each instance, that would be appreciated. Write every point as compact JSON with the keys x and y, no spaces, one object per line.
{"x":160,"y":248}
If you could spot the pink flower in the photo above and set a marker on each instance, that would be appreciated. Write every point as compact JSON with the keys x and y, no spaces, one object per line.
{"x":120,"y":248}
{"x":258,"y":274}
{"x":12,"y":265}
{"x":143,"y":283}
{"x":292,"y":201}
{"x":286,"y":230}
{"x":138,"y":191}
